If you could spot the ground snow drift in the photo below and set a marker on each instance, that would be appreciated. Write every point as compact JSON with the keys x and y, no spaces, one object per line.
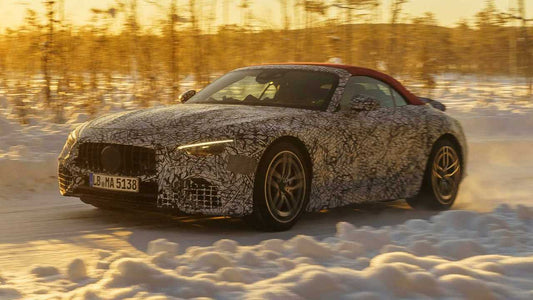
{"x":454,"y":254}
{"x":28,"y":154}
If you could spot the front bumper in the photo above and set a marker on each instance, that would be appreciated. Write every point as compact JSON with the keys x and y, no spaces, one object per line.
{"x":182,"y":183}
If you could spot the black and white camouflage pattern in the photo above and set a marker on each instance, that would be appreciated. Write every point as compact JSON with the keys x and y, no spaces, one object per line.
{"x":356,"y":156}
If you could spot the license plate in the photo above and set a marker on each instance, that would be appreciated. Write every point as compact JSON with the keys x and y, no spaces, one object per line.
{"x":115,"y":183}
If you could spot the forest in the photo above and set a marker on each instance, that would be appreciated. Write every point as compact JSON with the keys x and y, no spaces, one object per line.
{"x":48,"y":63}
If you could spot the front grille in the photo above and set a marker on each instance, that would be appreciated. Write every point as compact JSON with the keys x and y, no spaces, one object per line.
{"x":134,"y":160}
{"x":198,"y":193}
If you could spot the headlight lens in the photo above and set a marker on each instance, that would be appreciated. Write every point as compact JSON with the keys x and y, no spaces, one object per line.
{"x":206,"y":148}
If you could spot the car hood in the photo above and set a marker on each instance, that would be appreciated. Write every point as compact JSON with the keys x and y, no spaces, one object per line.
{"x":179,"y":123}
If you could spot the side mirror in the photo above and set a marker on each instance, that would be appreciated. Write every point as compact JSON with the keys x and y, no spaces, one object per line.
{"x":364,"y":103}
{"x":436,"y":104}
{"x":184,"y":97}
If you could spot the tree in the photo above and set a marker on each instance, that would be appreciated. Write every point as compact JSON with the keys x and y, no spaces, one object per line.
{"x":197,"y":43}
{"x":101,"y":22}
{"x":47,"y":51}
{"x":82,"y":62}
{"x":426,"y":48}
{"x":393,"y":64}
{"x":521,"y":53}
{"x":285,"y":37}
{"x":311,"y":7}
{"x":352,"y":9}
{"x":173,"y":55}
{"x":30,"y":37}
{"x":490,"y":24}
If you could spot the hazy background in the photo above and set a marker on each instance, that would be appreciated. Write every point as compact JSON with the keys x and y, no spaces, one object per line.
{"x":78,"y":12}
{"x":67,"y":57}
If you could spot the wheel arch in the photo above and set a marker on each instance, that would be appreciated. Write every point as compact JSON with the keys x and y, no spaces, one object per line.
{"x":296,"y":142}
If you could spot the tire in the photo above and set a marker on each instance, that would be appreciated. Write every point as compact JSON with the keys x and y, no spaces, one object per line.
{"x":282,"y":187}
{"x":442,"y":177}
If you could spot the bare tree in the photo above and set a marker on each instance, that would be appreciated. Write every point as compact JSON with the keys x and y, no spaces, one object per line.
{"x":32,"y":29}
{"x":3,"y":64}
{"x":47,"y":51}
{"x":425,"y":60}
{"x":173,"y":49}
{"x":63,"y":49}
{"x":353,"y":9}
{"x":396,"y":10}
{"x":101,"y":20}
{"x":311,"y":7}
{"x":285,"y":26}
{"x":197,"y":43}
{"x":132,"y":31}
{"x":525,"y":52}
{"x":245,"y":28}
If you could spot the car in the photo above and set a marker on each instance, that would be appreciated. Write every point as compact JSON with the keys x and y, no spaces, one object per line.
{"x":268,"y":143}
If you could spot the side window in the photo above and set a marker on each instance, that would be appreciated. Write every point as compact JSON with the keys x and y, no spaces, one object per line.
{"x":350,"y":90}
{"x":269,"y":92}
{"x":399,"y":99}
{"x":367,"y":86}
{"x":240,"y":89}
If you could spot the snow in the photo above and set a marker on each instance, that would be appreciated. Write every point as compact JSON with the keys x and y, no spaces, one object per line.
{"x":44,"y":271}
{"x":338,"y":267}
{"x":162,"y":245}
{"x":8,"y":293}
{"x":76,"y":270}
{"x":56,"y":247}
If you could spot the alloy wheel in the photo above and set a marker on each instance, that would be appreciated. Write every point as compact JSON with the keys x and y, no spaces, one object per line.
{"x":285,"y":186}
{"x":446,"y":174}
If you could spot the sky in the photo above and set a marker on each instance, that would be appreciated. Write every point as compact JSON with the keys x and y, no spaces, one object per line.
{"x":447,"y":12}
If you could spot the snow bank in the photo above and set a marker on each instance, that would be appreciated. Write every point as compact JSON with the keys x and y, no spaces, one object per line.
{"x":28,"y":154}
{"x":8,"y":293}
{"x":455,"y":254}
{"x":76,"y":270}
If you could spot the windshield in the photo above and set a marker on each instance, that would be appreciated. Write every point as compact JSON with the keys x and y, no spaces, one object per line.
{"x":271,"y":87}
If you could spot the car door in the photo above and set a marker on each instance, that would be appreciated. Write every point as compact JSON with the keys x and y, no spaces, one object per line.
{"x":409,"y":148}
{"x":382,"y":142}
{"x":366,"y":137}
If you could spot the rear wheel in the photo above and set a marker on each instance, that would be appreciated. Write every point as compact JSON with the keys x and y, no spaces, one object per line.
{"x":282,"y":187}
{"x":442,"y":178}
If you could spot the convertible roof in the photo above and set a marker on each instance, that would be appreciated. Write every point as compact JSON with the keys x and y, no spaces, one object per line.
{"x":358,"y":71}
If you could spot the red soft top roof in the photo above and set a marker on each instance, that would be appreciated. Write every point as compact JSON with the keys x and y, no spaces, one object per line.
{"x":358,"y":71}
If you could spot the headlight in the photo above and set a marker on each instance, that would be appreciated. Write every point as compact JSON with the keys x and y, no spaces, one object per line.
{"x":207,"y":148}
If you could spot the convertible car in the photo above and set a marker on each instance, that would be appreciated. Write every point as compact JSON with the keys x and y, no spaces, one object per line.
{"x":269,"y":142}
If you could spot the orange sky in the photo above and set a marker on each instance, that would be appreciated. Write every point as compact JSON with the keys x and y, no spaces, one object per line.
{"x":448,"y":12}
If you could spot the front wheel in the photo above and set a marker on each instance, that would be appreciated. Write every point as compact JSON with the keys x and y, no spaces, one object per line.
{"x":282,"y":187}
{"x":442,"y":178}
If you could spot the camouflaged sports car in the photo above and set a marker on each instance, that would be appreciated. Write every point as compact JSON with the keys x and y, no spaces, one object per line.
{"x":269,"y":142}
